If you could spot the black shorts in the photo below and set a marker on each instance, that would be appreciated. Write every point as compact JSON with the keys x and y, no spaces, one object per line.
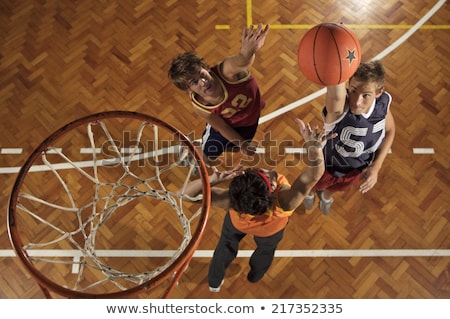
{"x":214,"y":144}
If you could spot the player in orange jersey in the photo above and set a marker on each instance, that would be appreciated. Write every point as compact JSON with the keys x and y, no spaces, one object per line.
{"x":258,"y":202}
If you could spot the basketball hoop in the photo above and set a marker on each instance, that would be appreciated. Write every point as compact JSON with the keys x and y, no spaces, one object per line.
{"x":96,"y":210}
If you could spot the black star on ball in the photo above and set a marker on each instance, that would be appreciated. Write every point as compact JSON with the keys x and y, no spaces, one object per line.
{"x":350,"y":55}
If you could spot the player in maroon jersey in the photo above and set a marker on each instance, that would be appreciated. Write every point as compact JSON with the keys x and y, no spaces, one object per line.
{"x":226,"y":95}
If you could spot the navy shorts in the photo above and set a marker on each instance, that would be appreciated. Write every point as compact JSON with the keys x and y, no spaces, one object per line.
{"x":214,"y":144}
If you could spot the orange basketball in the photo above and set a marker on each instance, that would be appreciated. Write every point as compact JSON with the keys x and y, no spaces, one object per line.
{"x":329,"y":54}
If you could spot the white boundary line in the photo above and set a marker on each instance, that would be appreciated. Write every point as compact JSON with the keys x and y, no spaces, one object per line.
{"x":7,"y":150}
{"x":259,"y":150}
{"x":328,"y":253}
{"x":423,"y":151}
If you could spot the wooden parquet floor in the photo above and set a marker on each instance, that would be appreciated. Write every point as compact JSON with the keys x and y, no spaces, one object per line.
{"x":61,"y":60}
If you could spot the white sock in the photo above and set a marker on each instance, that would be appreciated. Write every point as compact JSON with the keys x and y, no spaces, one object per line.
{"x":326,"y":200}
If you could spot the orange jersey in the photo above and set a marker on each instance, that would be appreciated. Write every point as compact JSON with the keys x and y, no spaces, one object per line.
{"x":242,"y":103}
{"x":266,"y":224}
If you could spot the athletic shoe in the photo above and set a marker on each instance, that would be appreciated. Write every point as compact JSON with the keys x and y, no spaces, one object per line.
{"x":325,"y":205}
{"x":252,"y":277}
{"x":212,"y":289}
{"x":308,"y":201}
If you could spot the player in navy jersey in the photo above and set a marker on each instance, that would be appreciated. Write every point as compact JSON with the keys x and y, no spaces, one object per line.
{"x":226,"y":96}
{"x":361,"y":117}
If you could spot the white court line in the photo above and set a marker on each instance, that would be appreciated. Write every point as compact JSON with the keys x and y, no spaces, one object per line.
{"x":11,"y":151}
{"x":423,"y":150}
{"x":88,"y":150}
{"x":259,"y":150}
{"x":130,"y":150}
{"x":82,"y":164}
{"x":76,"y":254}
{"x":334,"y":253}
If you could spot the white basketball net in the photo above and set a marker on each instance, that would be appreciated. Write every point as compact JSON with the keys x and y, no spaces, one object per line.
{"x":70,"y":225}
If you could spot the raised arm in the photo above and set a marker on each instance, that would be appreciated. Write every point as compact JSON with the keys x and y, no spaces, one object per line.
{"x":291,"y":198}
{"x":335,"y":102}
{"x":236,"y":66}
{"x":219,"y":196}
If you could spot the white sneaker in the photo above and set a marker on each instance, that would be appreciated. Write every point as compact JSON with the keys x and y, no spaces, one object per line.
{"x":212,"y":289}
{"x":325,"y":204}
{"x":308,"y":201}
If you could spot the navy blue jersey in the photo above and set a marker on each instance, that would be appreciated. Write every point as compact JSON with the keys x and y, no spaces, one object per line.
{"x":359,"y":137}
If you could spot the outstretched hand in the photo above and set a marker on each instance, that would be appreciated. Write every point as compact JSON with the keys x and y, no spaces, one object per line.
{"x":218,"y":177}
{"x":253,"y":39}
{"x":313,"y":135}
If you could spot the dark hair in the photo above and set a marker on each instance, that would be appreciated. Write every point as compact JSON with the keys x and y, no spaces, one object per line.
{"x":372,"y":71}
{"x":184,"y":67}
{"x":249,"y":194}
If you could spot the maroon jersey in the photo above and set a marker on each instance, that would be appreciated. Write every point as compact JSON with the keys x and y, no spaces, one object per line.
{"x":242,"y":103}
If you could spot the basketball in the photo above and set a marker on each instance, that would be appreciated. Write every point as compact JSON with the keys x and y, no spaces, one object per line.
{"x":329,"y":54}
